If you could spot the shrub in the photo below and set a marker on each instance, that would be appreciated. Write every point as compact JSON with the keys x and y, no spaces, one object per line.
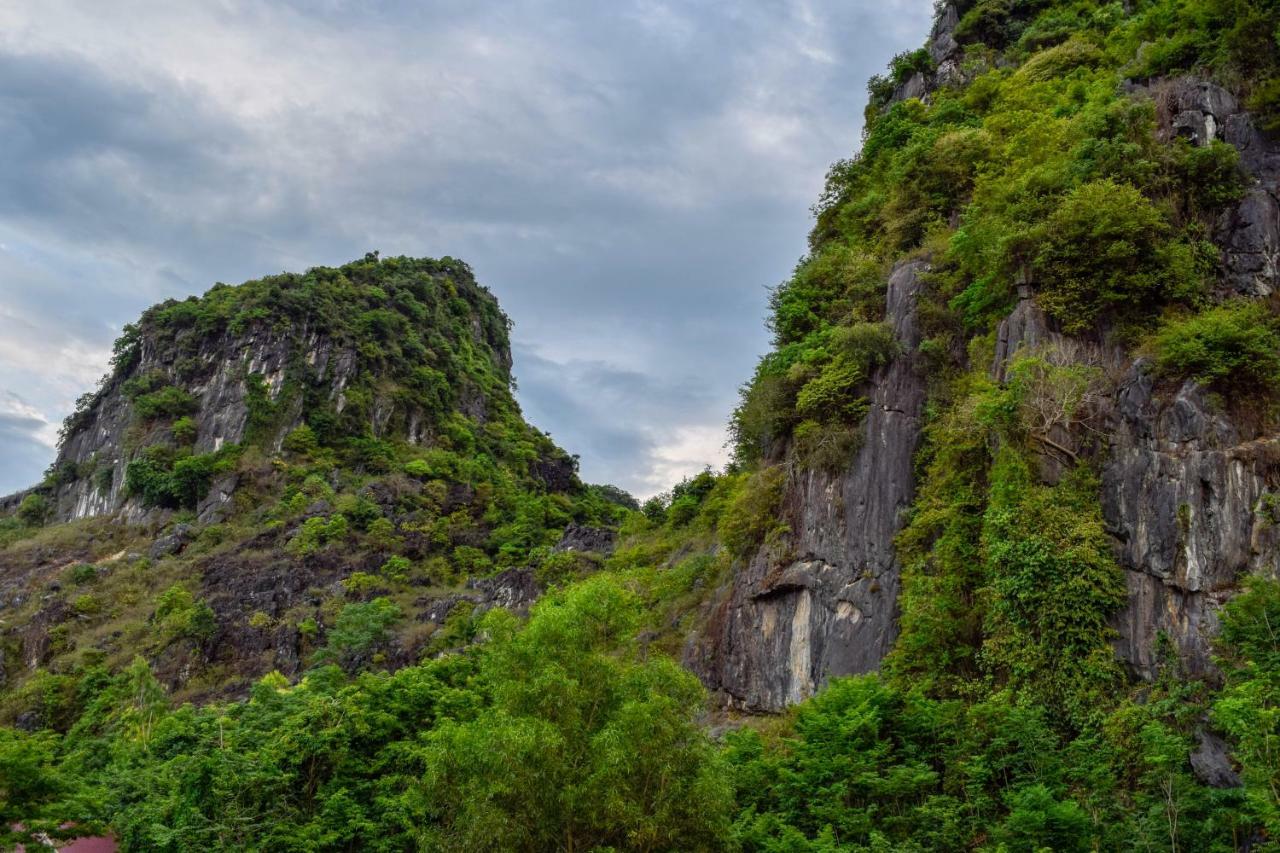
{"x":1105,"y":248}
{"x":104,"y":480}
{"x":763,"y":417}
{"x":1211,"y":175}
{"x":84,"y":573}
{"x":1265,"y":102}
{"x":34,"y":509}
{"x":192,"y":476}
{"x":180,"y":486}
{"x":167,"y":402}
{"x":418,"y":468}
{"x":87,"y":605}
{"x":470,"y":560}
{"x":396,"y":569}
{"x":358,"y":629}
{"x":317,"y":532}
{"x":832,"y":394}
{"x":1231,"y":346}
{"x":183,"y":430}
{"x":309,"y":628}
{"x":751,"y":517}
{"x":830,"y":446}
{"x":179,"y":615}
{"x":1057,"y":61}
{"x":655,"y":509}
{"x":301,"y":440}
{"x":359,"y":584}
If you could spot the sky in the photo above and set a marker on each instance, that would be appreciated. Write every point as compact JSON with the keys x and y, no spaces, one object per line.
{"x":628,"y":177}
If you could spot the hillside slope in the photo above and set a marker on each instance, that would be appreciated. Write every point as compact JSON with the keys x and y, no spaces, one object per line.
{"x":994,"y":567}
{"x":1079,"y":233}
{"x":273,"y":461}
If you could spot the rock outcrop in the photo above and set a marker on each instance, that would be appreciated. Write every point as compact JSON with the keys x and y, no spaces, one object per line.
{"x":782,"y":629}
{"x":1189,"y":490}
{"x":216,"y":378}
{"x":292,"y":365}
{"x":1249,"y":233}
{"x":1186,"y":486}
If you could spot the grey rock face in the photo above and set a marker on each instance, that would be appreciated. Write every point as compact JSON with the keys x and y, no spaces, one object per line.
{"x":1249,"y":233}
{"x":1211,"y":762}
{"x":779,"y":631}
{"x":215,"y":375}
{"x":592,"y":540}
{"x":942,"y":41}
{"x":514,"y":589}
{"x":945,"y":52}
{"x":1183,"y":494}
{"x":1251,"y":243}
{"x":172,"y":542}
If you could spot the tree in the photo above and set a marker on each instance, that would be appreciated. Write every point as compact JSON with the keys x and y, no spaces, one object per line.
{"x":586,"y":745}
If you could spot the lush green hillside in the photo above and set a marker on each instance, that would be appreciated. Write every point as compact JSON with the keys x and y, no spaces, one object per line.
{"x":1038,"y":157}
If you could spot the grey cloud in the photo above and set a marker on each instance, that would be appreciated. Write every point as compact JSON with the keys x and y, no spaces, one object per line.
{"x":23,"y":442}
{"x":627,"y":177}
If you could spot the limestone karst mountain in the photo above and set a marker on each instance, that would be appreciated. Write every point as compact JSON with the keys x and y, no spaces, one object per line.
{"x":995,"y":566}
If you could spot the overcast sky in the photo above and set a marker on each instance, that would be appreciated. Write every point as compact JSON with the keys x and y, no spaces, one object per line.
{"x":629,"y":177}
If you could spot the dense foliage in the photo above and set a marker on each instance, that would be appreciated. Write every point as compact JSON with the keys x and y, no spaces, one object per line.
{"x":1002,"y":720}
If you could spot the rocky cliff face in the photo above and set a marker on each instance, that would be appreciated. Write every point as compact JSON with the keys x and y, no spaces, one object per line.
{"x":102,"y":442}
{"x":293,"y":365}
{"x":782,"y":629}
{"x":1188,"y":483}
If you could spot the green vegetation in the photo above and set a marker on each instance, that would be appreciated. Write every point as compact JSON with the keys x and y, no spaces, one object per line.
{"x":555,"y":733}
{"x":1234,"y":346}
{"x":1002,"y":720}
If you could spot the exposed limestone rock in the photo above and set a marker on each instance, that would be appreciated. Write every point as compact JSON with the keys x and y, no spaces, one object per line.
{"x":942,"y":41}
{"x":215,"y":375}
{"x":779,"y":631}
{"x":172,"y":542}
{"x":591,"y":540}
{"x":1249,"y":234}
{"x":1211,"y":762}
{"x":1184,"y":496}
{"x":1182,"y":492}
{"x":944,"y":51}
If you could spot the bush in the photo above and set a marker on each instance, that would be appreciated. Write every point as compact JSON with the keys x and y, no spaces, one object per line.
{"x":751,"y":517}
{"x":830,"y":446}
{"x":359,"y":629}
{"x":359,"y":584}
{"x":87,"y":605}
{"x":179,"y":486}
{"x":396,"y":569}
{"x":34,"y":510}
{"x":301,"y":440}
{"x":84,"y":573}
{"x":1235,"y":346}
{"x":183,"y":430}
{"x":1265,"y":102}
{"x":179,"y":615}
{"x":1106,"y":249}
{"x":167,"y":402}
{"x":1211,"y":176}
{"x":317,"y":532}
{"x":832,"y":394}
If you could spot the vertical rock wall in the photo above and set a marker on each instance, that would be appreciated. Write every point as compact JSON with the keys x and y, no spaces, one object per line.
{"x":784,"y":626}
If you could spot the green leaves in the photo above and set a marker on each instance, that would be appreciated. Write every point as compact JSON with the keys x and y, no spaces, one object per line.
{"x":1234,"y":346}
{"x":586,"y":745}
{"x":1105,"y":249}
